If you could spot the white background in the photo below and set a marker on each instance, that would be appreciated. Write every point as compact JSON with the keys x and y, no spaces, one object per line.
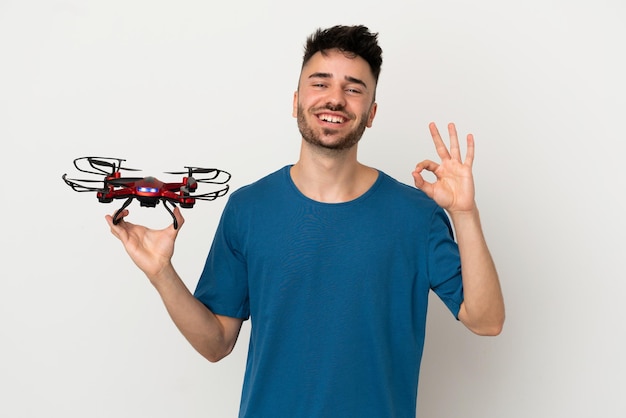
{"x":165,"y":84}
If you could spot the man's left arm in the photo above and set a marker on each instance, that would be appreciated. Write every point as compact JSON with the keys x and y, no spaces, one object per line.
{"x":482,"y":310}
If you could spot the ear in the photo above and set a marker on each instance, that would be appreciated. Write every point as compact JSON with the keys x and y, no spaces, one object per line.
{"x":370,"y":116}
{"x":294,"y":110}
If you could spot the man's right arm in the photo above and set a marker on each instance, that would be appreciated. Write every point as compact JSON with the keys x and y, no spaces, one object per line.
{"x":213,"y":336}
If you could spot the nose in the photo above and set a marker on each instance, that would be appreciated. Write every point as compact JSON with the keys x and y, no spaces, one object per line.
{"x":335,"y":100}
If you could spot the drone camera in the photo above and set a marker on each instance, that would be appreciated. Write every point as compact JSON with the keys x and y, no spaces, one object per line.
{"x":147,"y":202}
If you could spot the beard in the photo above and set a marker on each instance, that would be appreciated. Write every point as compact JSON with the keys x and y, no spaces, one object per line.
{"x":346,"y":142}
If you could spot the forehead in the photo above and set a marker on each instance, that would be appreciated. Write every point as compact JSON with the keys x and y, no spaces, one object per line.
{"x":338,"y":65}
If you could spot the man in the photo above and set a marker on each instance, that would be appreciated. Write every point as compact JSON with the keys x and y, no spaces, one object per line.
{"x":332,"y":260}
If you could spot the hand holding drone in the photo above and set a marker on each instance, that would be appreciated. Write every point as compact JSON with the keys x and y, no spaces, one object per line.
{"x":149,"y":191}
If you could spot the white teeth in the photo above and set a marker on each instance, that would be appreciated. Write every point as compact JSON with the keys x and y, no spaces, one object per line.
{"x":331,"y":118}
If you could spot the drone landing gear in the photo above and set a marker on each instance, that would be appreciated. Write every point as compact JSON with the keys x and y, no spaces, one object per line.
{"x":174,"y":220}
{"x":117,"y":220}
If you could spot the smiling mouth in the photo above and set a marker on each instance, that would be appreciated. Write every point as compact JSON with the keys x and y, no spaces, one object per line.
{"x":331,"y":118}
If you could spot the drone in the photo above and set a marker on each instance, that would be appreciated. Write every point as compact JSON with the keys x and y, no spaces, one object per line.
{"x":149,"y":191}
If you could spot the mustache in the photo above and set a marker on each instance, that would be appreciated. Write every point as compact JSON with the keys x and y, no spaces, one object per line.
{"x":334,"y":108}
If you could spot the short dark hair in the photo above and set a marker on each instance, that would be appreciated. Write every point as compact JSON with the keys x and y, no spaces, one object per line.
{"x":351,"y":40}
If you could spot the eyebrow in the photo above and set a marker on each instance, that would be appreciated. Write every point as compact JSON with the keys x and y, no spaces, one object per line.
{"x":347,"y":78}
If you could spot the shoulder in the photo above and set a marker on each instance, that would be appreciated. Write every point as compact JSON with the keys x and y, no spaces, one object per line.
{"x":261,"y":197}
{"x":391,"y":188}
{"x":414,"y":209}
{"x":261,"y":187}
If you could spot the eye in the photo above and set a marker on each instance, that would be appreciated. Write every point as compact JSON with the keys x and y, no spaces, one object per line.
{"x":353,"y":90}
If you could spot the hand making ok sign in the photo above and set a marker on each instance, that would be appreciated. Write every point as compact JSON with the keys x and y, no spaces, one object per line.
{"x":453,"y":189}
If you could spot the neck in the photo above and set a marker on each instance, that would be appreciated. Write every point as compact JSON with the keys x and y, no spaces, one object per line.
{"x":331,"y":176}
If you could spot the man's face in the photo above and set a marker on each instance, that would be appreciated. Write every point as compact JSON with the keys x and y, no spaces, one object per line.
{"x":335,"y":100}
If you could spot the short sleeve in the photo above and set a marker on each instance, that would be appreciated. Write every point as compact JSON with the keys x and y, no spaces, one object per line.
{"x":444,"y":262}
{"x":223,"y":284}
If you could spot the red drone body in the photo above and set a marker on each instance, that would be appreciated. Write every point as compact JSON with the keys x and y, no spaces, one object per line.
{"x":149,"y":191}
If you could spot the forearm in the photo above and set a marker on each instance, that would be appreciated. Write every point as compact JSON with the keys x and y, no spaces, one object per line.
{"x":204,"y":330}
{"x":483,"y":308}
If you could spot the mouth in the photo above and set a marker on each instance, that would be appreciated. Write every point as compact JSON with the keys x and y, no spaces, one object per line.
{"x":331,"y":118}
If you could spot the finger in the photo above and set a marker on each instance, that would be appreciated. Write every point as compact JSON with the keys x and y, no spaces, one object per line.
{"x":116,"y":230}
{"x":114,"y":222}
{"x":455,"y":149}
{"x":109,"y":220}
{"x":120,"y":220}
{"x":120,"y":216}
{"x":440,"y":146}
{"x":426,"y":186}
{"x":427,"y":165}
{"x":422,"y":184}
{"x":469,"y":156}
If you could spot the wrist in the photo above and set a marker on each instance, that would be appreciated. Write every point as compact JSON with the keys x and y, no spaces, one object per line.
{"x":470,"y":214}
{"x":162,"y":276}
